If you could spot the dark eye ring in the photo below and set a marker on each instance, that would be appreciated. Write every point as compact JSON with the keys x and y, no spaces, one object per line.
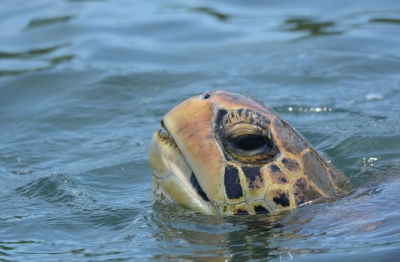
{"x":245,"y":140}
{"x":250,"y":142}
{"x":251,"y":148}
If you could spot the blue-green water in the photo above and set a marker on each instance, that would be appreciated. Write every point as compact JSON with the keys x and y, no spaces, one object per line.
{"x":84,"y":84}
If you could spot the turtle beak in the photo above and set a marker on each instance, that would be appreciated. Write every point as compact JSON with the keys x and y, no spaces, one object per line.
{"x":191,"y":124}
{"x":173,"y":179}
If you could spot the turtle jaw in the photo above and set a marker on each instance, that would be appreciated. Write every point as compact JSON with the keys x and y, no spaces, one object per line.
{"x":174,"y":182}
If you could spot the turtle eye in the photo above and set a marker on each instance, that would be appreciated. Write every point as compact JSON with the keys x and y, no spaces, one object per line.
{"x":246,"y":136}
{"x":246,"y":143}
{"x":250,"y":142}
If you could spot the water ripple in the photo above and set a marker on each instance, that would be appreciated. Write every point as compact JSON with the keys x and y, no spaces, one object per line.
{"x":39,"y":22}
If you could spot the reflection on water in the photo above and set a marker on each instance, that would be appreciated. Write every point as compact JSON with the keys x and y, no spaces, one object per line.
{"x":33,"y":60}
{"x":38,"y":22}
{"x":212,"y":12}
{"x":31,"y":53}
{"x":385,"y":20}
{"x":314,"y":28}
{"x":84,"y":84}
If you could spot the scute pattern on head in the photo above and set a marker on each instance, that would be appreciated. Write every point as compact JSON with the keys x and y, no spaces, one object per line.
{"x":243,"y":158}
{"x":253,"y":176}
{"x":287,"y":138}
{"x":303,"y":192}
{"x":233,"y":187}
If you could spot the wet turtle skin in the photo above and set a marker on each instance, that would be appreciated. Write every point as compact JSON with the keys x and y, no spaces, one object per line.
{"x":225,"y":153}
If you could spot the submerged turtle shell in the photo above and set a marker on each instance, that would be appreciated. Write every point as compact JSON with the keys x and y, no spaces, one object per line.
{"x":243,"y":158}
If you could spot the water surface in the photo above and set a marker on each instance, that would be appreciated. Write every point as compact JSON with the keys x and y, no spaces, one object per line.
{"x":84,"y":84}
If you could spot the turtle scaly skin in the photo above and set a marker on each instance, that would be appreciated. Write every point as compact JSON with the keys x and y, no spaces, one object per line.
{"x":225,"y":153}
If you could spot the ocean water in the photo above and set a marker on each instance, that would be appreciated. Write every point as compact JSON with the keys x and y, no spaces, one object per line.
{"x":84,"y":84}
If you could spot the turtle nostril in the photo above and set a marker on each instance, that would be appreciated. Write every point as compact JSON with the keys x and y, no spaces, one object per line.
{"x":205,"y":95}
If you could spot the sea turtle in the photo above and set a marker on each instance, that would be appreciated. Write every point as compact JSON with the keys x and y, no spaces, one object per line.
{"x":229,"y":154}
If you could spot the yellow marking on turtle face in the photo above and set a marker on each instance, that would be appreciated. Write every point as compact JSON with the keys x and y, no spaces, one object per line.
{"x":256,"y":182}
{"x":224,"y":208}
{"x":291,"y":165}
{"x":279,"y":198}
{"x":277,"y":176}
{"x":240,"y":209}
{"x":259,"y":206}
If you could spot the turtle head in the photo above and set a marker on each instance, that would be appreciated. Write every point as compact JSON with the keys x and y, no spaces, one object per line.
{"x":224,"y":153}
